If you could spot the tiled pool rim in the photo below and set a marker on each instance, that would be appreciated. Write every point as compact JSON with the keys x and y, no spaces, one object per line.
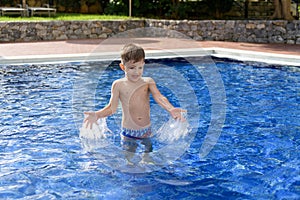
{"x":242,"y":55}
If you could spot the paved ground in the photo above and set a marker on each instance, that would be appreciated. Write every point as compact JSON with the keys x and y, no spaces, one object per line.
{"x":80,"y":50}
{"x":289,"y":49}
{"x":88,"y":46}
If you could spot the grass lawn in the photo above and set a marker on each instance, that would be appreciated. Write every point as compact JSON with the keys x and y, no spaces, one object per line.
{"x":66,"y":17}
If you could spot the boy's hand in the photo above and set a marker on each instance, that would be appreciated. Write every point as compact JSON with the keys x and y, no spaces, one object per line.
{"x":176,"y":113}
{"x":90,"y":119}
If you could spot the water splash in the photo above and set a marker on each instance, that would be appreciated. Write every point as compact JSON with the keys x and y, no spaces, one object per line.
{"x":173,"y":130}
{"x":96,"y":136}
{"x":174,"y":134}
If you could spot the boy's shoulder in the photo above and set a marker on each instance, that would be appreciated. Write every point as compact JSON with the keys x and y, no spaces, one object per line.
{"x":117,"y":83}
{"x":148,"y":80}
{"x":123,"y":81}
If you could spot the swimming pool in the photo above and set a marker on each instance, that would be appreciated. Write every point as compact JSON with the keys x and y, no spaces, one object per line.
{"x":256,"y":156}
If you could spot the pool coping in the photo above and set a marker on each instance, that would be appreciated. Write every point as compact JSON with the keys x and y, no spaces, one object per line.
{"x":241,"y":55}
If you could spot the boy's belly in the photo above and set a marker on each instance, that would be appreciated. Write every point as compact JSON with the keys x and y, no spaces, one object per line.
{"x":137,"y":116}
{"x":136,"y":122}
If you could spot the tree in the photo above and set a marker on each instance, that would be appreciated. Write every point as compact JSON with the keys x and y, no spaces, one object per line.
{"x":174,"y":9}
{"x":218,"y":7}
{"x":282,"y":10}
{"x":24,"y":3}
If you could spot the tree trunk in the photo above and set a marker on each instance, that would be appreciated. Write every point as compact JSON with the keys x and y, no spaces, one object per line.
{"x":24,"y":3}
{"x":175,"y":2}
{"x":83,"y":7}
{"x":246,"y":6}
{"x":218,"y":14}
{"x":282,"y":10}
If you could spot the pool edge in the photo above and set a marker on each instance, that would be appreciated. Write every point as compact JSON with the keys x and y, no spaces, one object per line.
{"x":242,"y":55}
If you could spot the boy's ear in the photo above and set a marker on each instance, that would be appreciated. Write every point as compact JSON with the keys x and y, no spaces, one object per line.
{"x":122,"y":66}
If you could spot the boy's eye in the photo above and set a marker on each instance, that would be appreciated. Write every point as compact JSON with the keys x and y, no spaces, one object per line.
{"x":136,"y":67}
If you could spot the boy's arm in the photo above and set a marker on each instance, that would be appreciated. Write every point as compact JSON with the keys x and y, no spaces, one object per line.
{"x":109,"y":109}
{"x":163,"y":101}
{"x":112,"y":106}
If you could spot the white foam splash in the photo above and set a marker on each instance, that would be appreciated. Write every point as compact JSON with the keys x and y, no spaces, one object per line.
{"x":95,"y":137}
{"x":173,"y":130}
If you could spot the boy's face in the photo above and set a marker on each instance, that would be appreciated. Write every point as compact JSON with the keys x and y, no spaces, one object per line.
{"x":133,"y":70}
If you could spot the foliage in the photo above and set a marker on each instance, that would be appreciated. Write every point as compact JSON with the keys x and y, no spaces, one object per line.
{"x":7,"y":2}
{"x":70,"y":5}
{"x":148,"y":8}
{"x":117,"y":7}
{"x":162,"y":9}
{"x":171,"y":9}
{"x":218,"y":7}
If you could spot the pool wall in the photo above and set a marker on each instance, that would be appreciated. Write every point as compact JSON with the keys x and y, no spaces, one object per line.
{"x":254,"y":31}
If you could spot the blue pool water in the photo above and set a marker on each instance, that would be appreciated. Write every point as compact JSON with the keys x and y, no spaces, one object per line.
{"x":256,"y":156}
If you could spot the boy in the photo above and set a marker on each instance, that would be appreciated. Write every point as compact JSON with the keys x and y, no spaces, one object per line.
{"x":133,"y":91}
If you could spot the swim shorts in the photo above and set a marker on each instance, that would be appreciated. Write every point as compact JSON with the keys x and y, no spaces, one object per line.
{"x":137,"y":134}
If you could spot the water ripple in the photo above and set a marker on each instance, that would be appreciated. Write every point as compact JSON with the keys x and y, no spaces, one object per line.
{"x":256,"y":157}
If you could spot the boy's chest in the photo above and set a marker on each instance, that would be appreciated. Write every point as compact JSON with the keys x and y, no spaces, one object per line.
{"x":134,"y":91}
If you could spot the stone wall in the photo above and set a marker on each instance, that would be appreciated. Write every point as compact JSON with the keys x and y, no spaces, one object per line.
{"x":63,"y":30}
{"x":255,"y":31}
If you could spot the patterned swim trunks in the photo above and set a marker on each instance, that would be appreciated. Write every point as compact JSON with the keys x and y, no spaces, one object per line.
{"x":137,"y":134}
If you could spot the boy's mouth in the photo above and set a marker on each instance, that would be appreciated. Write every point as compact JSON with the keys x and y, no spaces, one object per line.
{"x":135,"y":76}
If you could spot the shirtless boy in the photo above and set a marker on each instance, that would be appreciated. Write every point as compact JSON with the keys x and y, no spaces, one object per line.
{"x":133,"y":92}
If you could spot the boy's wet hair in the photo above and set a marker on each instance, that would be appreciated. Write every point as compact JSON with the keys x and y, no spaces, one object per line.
{"x":132,"y":52}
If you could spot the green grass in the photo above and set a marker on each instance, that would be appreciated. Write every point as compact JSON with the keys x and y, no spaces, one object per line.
{"x":66,"y":17}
